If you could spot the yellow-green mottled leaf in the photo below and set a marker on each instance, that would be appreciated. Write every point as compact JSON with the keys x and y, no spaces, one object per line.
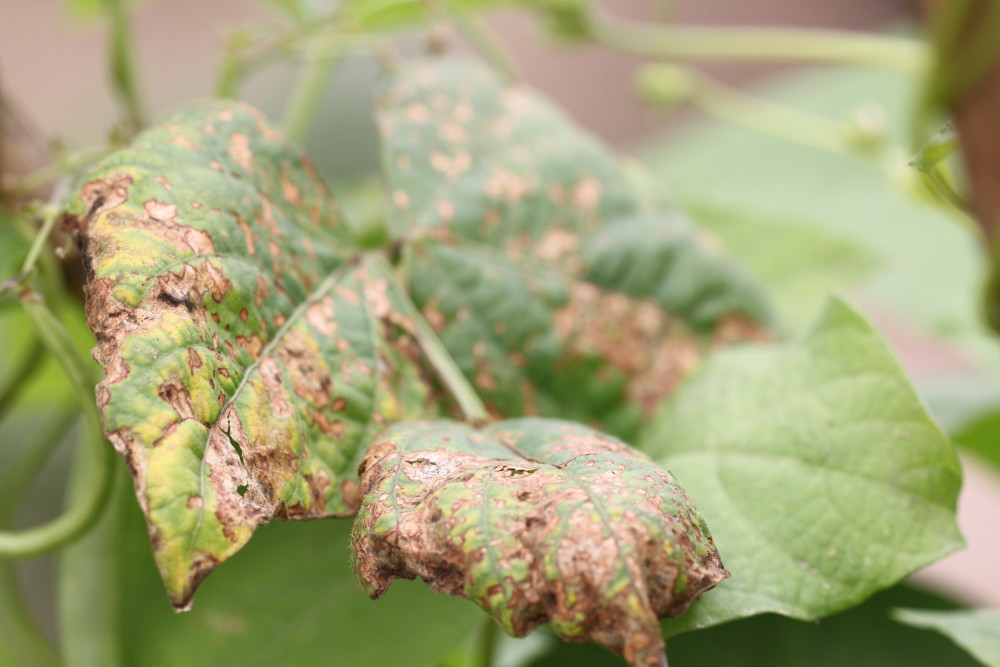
{"x":536,"y":521}
{"x":250,"y":353}
{"x":525,"y":231}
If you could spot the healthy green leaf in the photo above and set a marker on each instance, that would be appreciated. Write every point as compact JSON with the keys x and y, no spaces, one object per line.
{"x":523,"y":229}
{"x":535,"y":521}
{"x":975,"y":630}
{"x":862,"y":636}
{"x":249,"y":352}
{"x":308,"y":611}
{"x":823,"y":475}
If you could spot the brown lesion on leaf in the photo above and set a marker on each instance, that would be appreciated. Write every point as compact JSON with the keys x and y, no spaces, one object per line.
{"x":194,"y":360}
{"x":270,"y":373}
{"x":321,"y":317}
{"x":239,"y":150}
{"x":289,"y":190}
{"x":735,"y":328}
{"x":253,"y":344}
{"x":650,"y":348}
{"x":98,"y":197}
{"x":544,"y":533}
{"x":177,"y":396}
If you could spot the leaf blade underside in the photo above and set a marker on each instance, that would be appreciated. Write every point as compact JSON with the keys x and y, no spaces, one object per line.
{"x":535,"y":521}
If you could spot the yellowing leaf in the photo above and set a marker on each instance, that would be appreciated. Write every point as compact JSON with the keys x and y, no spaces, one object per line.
{"x":249,"y":353}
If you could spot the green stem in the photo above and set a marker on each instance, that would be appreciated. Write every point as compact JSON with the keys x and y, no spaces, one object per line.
{"x":758,"y":44}
{"x":965,"y":47}
{"x":28,"y":462}
{"x":484,"y":41}
{"x":769,"y":117}
{"x":48,"y":222}
{"x":440,"y":359}
{"x":70,"y":162}
{"x":88,"y":583}
{"x":669,"y":84}
{"x":121,"y":57}
{"x":23,"y":641}
{"x":247,"y":52}
{"x":28,"y":364}
{"x":84,"y":513}
{"x":308,"y":92}
{"x":487,"y":644}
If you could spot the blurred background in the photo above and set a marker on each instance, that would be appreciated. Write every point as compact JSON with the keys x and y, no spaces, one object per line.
{"x":805,"y":220}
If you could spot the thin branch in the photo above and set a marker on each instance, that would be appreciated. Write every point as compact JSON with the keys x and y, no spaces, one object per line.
{"x":440,"y":359}
{"x":21,"y":633}
{"x":757,"y":44}
{"x":308,"y":92}
{"x":121,"y":57}
{"x":29,"y":362}
{"x":86,"y":510}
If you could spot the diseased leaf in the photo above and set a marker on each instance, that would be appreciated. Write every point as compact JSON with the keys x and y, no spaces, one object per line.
{"x":249,"y":353}
{"x":824,"y":476}
{"x":522,"y":228}
{"x":535,"y":521}
{"x":975,"y":630}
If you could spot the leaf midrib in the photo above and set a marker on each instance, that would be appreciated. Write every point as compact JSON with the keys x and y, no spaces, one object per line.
{"x":321,"y":291}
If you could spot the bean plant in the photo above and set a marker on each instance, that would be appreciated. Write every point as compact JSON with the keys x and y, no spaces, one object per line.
{"x":510,"y":367}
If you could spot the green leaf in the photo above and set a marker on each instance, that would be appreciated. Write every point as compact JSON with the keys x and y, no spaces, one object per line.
{"x":523,"y":228}
{"x":863,"y":636}
{"x":976,"y":630}
{"x":250,"y":352}
{"x":535,"y":521}
{"x":307,"y":611}
{"x":823,"y":475}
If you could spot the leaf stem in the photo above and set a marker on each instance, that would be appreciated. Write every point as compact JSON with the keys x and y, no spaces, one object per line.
{"x":69,"y":162}
{"x":440,"y":359}
{"x":85,"y":511}
{"x":88,"y":578}
{"x":121,"y":56}
{"x":24,"y":643}
{"x":487,"y":643}
{"x":756,"y":44}
{"x":48,"y":223}
{"x":29,"y":364}
{"x":308,"y":92}
{"x":768,"y":117}
{"x":484,"y":41}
